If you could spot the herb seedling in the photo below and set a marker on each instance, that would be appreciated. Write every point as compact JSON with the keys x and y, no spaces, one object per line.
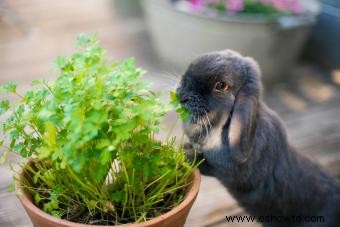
{"x":89,"y":136}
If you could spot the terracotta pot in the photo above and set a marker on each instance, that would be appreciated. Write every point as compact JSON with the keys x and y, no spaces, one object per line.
{"x":173,"y":218}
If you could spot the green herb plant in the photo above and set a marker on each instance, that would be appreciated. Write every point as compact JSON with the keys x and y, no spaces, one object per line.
{"x":89,"y":136}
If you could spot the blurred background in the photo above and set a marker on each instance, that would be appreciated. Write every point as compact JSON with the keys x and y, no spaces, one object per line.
{"x":299,"y":55}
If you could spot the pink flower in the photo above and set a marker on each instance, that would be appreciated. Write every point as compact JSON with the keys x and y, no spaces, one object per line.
{"x":279,"y":4}
{"x":294,"y":6}
{"x":197,"y":5}
{"x":234,"y":5}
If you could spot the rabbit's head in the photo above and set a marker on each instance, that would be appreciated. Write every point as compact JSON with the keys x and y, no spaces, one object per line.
{"x":209,"y":89}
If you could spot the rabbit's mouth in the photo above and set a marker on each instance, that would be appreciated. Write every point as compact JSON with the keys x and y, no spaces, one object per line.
{"x":207,"y":131}
{"x":200,"y":127}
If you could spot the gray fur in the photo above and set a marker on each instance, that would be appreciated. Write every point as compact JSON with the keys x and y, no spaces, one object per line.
{"x":250,"y":153}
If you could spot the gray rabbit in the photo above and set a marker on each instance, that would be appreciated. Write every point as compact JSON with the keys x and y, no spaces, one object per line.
{"x":245,"y":146}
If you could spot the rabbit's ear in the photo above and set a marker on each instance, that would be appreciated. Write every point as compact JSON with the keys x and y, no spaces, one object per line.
{"x":242,"y":126}
{"x":243,"y":120}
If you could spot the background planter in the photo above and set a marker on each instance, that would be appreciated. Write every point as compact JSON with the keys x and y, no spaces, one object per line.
{"x":179,"y":37}
{"x":128,"y":8}
{"x":174,"y":218}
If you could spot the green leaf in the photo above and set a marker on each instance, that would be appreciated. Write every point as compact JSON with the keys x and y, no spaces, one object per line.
{"x":37,"y":198}
{"x":50,"y":135}
{"x":36,"y":178}
{"x":83,"y":40}
{"x":105,"y":157}
{"x":10,"y":87}
{"x":51,"y":206}
{"x":60,"y":62}
{"x":36,"y":82}
{"x":56,"y":213}
{"x":21,"y":149}
{"x":43,"y":152}
{"x":103,"y":143}
{"x":173,"y":97}
{"x":4,"y":106}
{"x":118,"y":196}
{"x":14,"y":134}
{"x":183,"y":113}
{"x":181,"y":110}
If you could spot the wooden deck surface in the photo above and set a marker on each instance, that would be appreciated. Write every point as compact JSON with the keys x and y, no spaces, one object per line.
{"x":33,"y":33}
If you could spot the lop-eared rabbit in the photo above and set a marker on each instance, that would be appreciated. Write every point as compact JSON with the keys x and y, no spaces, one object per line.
{"x":245,"y":146}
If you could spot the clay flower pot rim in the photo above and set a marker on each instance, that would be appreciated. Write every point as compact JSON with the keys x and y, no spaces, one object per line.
{"x":190,"y":196}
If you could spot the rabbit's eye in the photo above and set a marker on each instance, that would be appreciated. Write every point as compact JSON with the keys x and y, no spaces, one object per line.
{"x":221,"y":86}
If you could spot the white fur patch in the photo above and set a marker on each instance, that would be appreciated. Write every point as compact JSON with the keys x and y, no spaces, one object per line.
{"x":214,"y":139}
